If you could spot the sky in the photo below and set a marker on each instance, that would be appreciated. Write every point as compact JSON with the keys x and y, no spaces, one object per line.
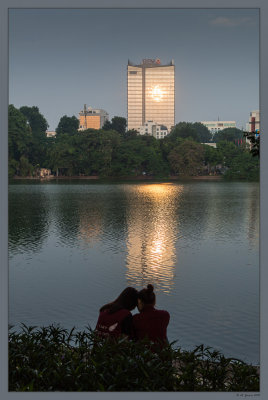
{"x":61,"y":59}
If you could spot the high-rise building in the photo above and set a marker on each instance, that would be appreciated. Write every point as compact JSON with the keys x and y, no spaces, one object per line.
{"x":151,"y":93}
{"x":92,"y":118}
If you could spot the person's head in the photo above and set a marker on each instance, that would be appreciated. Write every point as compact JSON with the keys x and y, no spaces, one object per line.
{"x":146,"y":297}
{"x":127,"y":300}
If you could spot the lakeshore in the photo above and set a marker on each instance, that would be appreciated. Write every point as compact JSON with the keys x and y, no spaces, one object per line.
{"x":130,"y":178}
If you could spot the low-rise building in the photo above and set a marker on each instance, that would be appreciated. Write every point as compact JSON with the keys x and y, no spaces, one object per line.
{"x":93,"y":118}
{"x":152,"y":128}
{"x":50,"y":133}
{"x":216,"y":126}
{"x":211,"y":144}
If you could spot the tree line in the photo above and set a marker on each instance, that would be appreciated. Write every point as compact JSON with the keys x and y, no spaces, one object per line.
{"x":114,"y":151}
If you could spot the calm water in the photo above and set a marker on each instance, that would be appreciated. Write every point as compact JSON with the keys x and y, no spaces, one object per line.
{"x":75,"y":246}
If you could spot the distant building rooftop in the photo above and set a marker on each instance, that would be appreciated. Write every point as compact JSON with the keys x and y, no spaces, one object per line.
{"x":150,"y":62}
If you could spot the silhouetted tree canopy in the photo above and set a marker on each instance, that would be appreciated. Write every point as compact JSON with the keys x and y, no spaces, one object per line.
{"x":228,"y":134}
{"x":115,"y":152}
{"x":67,"y":125}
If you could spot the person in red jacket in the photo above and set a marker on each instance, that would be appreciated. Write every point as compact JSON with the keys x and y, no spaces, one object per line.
{"x":150,"y":323}
{"x":115,"y":318}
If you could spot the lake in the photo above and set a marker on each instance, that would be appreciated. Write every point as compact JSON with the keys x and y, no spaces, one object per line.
{"x":75,"y":245}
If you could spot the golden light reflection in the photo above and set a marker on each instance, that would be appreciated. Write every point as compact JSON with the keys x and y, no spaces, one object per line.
{"x":157,"y":93}
{"x":152,"y":233}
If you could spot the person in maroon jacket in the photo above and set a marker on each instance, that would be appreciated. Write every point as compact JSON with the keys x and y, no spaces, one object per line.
{"x":115,"y":318}
{"x":150,"y":323}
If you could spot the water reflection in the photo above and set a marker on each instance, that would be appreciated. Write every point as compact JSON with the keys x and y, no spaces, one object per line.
{"x":66,"y":216}
{"x":102,"y":221}
{"x":253,"y":209}
{"x":90,"y":226}
{"x":74,"y":246}
{"x":29,"y":218}
{"x":152,"y":232}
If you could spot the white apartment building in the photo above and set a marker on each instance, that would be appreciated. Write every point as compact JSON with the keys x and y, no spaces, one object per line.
{"x":216,"y":126}
{"x":152,"y":128}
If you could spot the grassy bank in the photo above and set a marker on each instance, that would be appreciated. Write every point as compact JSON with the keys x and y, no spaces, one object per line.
{"x":54,"y":359}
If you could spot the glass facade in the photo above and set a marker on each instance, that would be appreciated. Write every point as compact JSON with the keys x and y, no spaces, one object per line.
{"x":151,"y":95}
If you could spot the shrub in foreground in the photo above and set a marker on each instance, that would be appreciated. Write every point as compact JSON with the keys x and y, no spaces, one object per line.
{"x":55,"y":359}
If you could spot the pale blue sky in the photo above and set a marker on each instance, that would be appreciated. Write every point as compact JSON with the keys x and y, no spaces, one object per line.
{"x":60,"y":59}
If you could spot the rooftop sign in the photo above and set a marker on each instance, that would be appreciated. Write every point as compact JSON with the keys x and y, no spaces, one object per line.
{"x":151,"y":61}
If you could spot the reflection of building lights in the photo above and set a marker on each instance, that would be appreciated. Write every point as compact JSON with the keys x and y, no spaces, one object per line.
{"x":157,"y":93}
{"x":157,"y":246}
{"x":152,"y":231}
{"x":161,"y":191}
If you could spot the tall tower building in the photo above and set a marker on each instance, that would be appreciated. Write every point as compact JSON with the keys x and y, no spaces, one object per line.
{"x":151,"y":93}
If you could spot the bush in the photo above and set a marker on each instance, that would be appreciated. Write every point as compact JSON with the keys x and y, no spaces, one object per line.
{"x":54,"y":359}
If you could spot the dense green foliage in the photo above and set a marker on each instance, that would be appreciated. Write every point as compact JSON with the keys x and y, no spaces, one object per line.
{"x":67,"y":125}
{"x":118,"y":124}
{"x":115,"y":152}
{"x":255,"y":143}
{"x":54,"y":359}
{"x":186,"y":158}
{"x":228,"y":134}
{"x":195,"y":131}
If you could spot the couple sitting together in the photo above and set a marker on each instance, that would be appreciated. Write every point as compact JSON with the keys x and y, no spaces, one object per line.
{"x":115,"y":318}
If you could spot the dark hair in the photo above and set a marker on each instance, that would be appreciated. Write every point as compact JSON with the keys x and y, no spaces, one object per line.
{"x":128,"y":299}
{"x":147,"y":296}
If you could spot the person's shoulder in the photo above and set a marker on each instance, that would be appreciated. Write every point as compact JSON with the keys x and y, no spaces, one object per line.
{"x":164,"y":313}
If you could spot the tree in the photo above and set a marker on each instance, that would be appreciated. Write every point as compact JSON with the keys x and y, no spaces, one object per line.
{"x":118,"y":124}
{"x":61,"y":157}
{"x":228,"y":134}
{"x":38,"y":126}
{"x":139,"y":154}
{"x":184,"y":130}
{"x":187,"y":158}
{"x":212,"y":157}
{"x":131,"y":133}
{"x":243,"y":166}
{"x":68,"y":125}
{"x":204,"y":134}
{"x":35,"y":119}
{"x":91,"y":153}
{"x":228,"y":151}
{"x":107,"y":126}
{"x":19,"y":141}
{"x":255,"y":143}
